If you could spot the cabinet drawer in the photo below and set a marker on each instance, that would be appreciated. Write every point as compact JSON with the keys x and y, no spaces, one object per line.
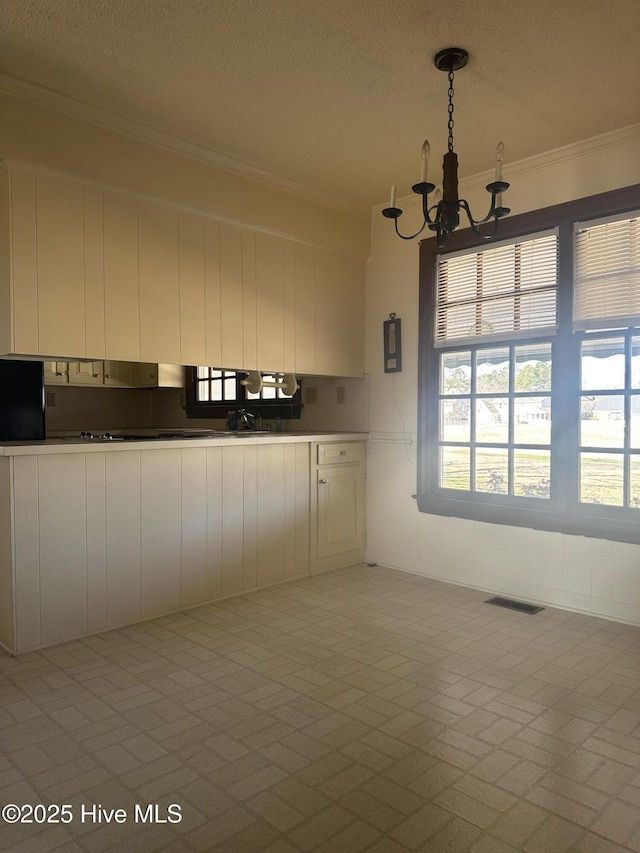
{"x":340,"y":451}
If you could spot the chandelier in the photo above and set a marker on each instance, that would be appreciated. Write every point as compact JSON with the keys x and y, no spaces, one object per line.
{"x":443,"y":216}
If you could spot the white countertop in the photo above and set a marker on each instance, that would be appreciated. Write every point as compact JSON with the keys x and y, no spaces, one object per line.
{"x":80,"y":445}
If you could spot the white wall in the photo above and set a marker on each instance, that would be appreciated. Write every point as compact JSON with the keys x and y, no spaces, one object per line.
{"x":590,"y":575}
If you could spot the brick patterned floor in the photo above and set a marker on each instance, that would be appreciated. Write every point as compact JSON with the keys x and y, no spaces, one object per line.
{"x":364,"y":710}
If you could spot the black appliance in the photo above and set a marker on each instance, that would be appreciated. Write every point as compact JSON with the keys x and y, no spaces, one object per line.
{"x":21,"y":400}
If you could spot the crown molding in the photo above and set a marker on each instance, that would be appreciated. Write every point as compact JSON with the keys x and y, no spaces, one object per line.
{"x":566,"y":153}
{"x":538,"y":162}
{"x":65,"y":104}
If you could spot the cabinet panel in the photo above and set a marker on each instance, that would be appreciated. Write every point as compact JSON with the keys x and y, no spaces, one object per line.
{"x":212,"y":295}
{"x":194,"y":526}
{"x":159,"y":287}
{"x":305,"y":309}
{"x":96,"y":542}
{"x":272,"y":531}
{"x":5,"y":262}
{"x":94,"y":272}
{"x":232,"y":520}
{"x":214,"y":523}
{"x":249,"y":308}
{"x":296,"y":510}
{"x":24,"y":292}
{"x":160,"y":531}
{"x":121,"y":297}
{"x":6,"y":557}
{"x":85,"y":373}
{"x":289,"y":306}
{"x":60,"y":255}
{"x":123,"y":537}
{"x":231,"y":297}
{"x":119,"y":374}
{"x":26,"y":552}
{"x":337,"y":505}
{"x":340,"y":510}
{"x":250,"y":546}
{"x":56,"y":373}
{"x":269,"y":303}
{"x":192,"y":289}
{"x":62,"y":527}
{"x":158,"y":375}
{"x":339,"y":315}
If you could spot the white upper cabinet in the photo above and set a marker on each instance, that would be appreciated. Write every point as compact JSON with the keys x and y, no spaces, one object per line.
{"x":121,"y":290}
{"x":158,"y":254}
{"x":100,"y":274}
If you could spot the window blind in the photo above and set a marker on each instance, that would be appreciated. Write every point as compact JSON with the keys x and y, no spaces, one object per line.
{"x":607,"y":273}
{"x":506,"y":291}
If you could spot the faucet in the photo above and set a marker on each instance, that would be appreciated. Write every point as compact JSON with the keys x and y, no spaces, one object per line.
{"x":245,"y":419}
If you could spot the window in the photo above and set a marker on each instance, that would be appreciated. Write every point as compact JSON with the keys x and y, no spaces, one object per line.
{"x":530,"y":371}
{"x":213,"y":392}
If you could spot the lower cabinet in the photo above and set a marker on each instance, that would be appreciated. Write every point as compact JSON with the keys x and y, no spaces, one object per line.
{"x":160,"y":530}
{"x":155,"y":531}
{"x":337,"y":505}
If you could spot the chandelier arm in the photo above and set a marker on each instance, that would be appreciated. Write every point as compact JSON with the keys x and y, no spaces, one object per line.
{"x":474,"y":223}
{"x":491,"y":215}
{"x":426,"y":211}
{"x":413,"y":236}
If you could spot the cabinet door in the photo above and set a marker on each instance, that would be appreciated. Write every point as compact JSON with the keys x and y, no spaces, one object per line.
{"x":339,"y":315}
{"x":270,"y":302}
{"x":158,"y":375}
{"x":24,"y":265}
{"x":121,"y":298}
{"x":340,"y":509}
{"x":159,"y":285}
{"x":56,"y":372}
{"x":304,"y":286}
{"x":191,"y":273}
{"x":118,"y":374}
{"x":60,"y":258}
{"x":232,"y":355}
{"x":86,"y":373}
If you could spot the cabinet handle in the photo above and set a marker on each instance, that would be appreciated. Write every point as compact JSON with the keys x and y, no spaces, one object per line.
{"x":59,"y":373}
{"x":343,"y":453}
{"x":95,"y":375}
{"x":323,"y":481}
{"x":107,"y":376}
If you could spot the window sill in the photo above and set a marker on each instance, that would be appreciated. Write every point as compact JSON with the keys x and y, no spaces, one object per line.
{"x":593,"y":523}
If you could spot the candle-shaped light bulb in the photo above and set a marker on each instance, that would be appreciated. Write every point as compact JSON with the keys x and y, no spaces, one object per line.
{"x":499,"y":159}
{"x":392,"y":202}
{"x":438,"y":196}
{"x":425,"y":160}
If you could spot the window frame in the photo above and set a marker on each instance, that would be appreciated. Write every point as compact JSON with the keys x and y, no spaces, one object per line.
{"x":290,"y":408}
{"x":562,"y":512}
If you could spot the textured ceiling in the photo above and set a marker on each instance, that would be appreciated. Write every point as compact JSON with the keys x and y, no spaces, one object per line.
{"x":339,"y":94}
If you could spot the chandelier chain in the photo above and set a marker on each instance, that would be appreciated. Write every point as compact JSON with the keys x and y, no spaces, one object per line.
{"x":450,"y":110}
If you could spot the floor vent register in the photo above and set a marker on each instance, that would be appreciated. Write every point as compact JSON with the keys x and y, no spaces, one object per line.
{"x":509,"y":603}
